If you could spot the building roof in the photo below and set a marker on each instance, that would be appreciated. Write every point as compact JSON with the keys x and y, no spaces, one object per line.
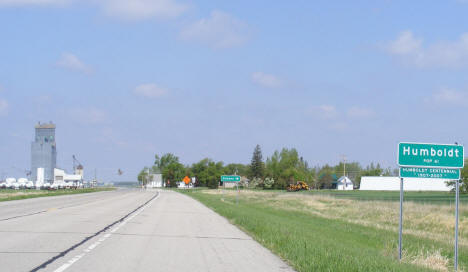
{"x":345,"y":179}
{"x":46,"y":125}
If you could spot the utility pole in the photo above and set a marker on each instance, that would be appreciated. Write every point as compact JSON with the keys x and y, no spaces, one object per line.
{"x":74,"y":166}
{"x":147,"y":177}
{"x":343,"y":157}
{"x":237,"y":185}
{"x":344,"y":164}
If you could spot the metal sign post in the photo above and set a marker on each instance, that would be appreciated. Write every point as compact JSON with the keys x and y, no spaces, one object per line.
{"x":400,"y":225}
{"x":457,"y":198}
{"x":237,"y":196}
{"x":224,"y":187}
{"x":232,"y":178}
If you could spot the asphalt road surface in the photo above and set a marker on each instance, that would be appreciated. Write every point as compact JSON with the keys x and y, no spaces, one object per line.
{"x":125,"y":230}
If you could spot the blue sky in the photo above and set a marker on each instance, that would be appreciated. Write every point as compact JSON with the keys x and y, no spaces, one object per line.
{"x":124,"y":80}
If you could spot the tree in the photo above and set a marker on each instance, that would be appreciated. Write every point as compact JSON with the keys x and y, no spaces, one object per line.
{"x":257,"y":167}
{"x":268,"y":183}
{"x":199,"y":170}
{"x":143,"y":176}
{"x":256,"y":183}
{"x":173,"y":173}
{"x":287,"y":167}
{"x":165,"y":160}
{"x":232,"y":168}
{"x":353,"y":169}
{"x":372,"y":170}
{"x":325,"y":177}
{"x":215,"y":170}
{"x":207,"y":172}
{"x":464,"y":179}
{"x":171,"y":169}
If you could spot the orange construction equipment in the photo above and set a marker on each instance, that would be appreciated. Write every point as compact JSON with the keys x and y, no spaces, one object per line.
{"x":300,"y":185}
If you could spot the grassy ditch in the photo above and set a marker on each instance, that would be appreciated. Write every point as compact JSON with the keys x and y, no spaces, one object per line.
{"x":318,"y":232}
{"x":7,"y":194}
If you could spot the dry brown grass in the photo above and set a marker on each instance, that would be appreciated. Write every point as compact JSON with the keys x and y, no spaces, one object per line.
{"x":429,"y":259}
{"x":11,"y":194}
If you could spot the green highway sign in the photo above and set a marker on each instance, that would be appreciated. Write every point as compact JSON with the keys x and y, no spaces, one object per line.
{"x":230,"y":178}
{"x":438,"y":173}
{"x":430,"y":155}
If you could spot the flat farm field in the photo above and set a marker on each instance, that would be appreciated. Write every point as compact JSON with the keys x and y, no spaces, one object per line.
{"x":411,"y":196}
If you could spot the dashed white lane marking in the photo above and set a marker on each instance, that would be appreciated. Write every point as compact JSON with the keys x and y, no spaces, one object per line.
{"x":102,"y":239}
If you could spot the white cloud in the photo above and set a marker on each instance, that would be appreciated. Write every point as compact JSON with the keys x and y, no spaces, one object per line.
{"x":88,"y":116}
{"x":150,"y":90}
{"x":449,"y":97}
{"x":3,"y":107}
{"x":324,"y":111}
{"x":358,"y":112}
{"x":220,"y":30}
{"x":72,"y":62}
{"x":266,"y":80}
{"x":439,"y":54}
{"x":406,"y":43}
{"x":142,"y":9}
{"x":33,"y":2}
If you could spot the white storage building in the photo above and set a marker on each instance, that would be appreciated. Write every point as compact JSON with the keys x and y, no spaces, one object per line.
{"x":61,"y":176}
{"x":410,"y":184}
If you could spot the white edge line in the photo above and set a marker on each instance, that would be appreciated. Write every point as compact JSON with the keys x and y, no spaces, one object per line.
{"x":107,"y":235}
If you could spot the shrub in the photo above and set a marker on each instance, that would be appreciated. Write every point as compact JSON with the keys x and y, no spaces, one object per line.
{"x":256,"y":183}
{"x":268,"y":183}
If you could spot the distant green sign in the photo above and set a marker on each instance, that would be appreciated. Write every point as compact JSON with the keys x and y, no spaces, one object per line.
{"x":430,"y":155}
{"x":230,"y":178}
{"x":438,"y":173}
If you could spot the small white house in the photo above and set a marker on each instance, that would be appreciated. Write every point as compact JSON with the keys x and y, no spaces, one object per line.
{"x":155,"y":181}
{"x":344,"y":184}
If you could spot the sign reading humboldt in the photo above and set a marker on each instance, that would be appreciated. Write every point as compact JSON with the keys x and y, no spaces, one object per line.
{"x":438,"y":173}
{"x":430,"y":155}
{"x":440,"y":161}
{"x":230,"y":178}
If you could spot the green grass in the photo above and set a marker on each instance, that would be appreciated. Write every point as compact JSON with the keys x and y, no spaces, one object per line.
{"x":314,"y":243}
{"x":8,"y":194}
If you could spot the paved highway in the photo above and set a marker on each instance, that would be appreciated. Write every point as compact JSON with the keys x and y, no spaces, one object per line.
{"x":125,"y":230}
